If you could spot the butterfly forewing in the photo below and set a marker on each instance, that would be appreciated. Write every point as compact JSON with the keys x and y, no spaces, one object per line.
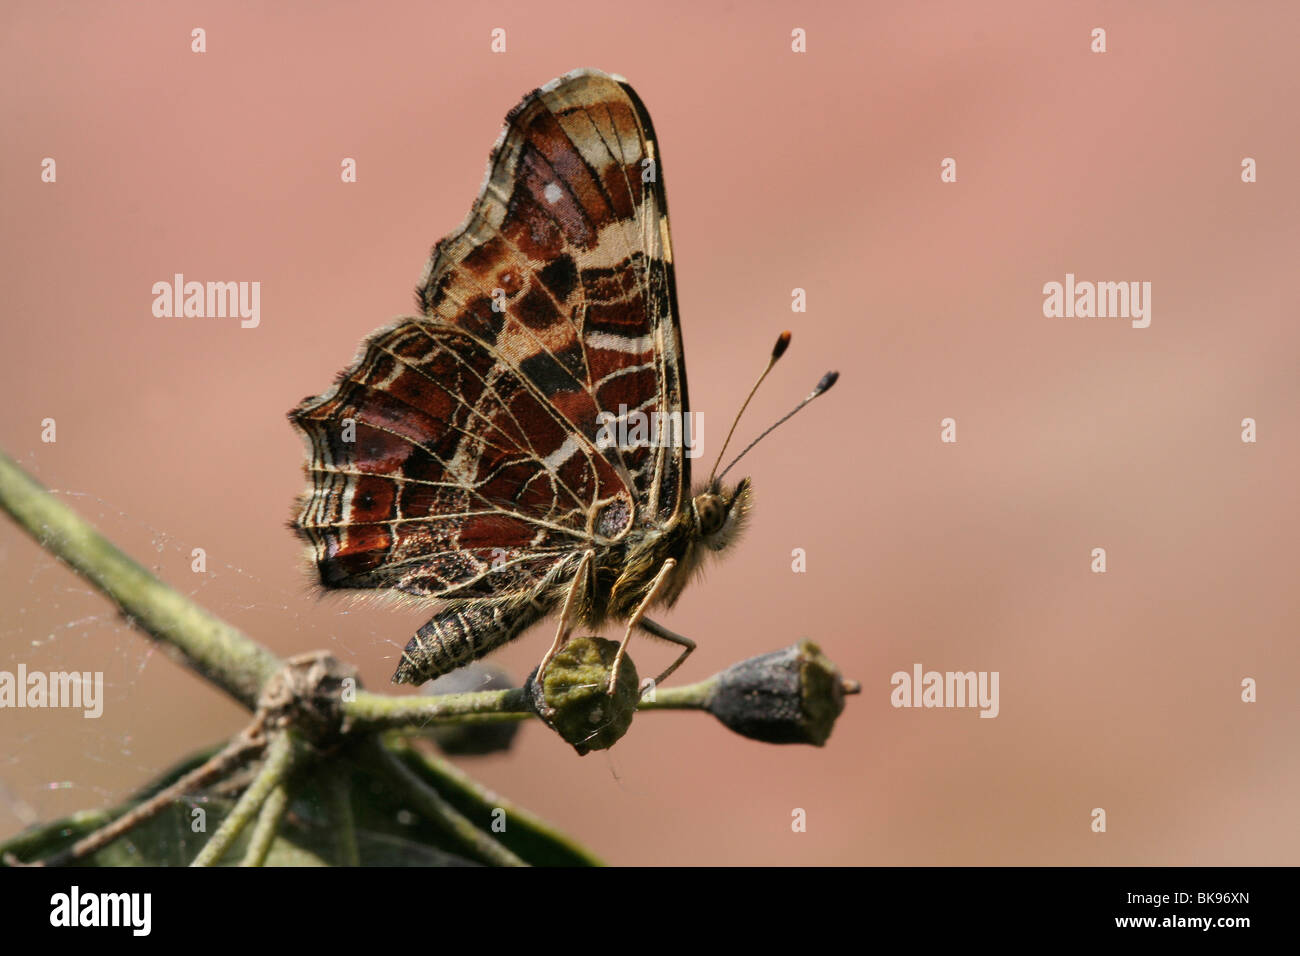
{"x":570,"y":239}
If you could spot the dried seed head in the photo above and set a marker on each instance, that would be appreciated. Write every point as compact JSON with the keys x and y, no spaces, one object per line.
{"x":307,"y":694}
{"x":570,"y":697}
{"x":790,"y":696}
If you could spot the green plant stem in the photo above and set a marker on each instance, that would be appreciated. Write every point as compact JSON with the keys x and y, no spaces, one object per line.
{"x":267,"y":826}
{"x":216,"y":650}
{"x":338,"y":788}
{"x":278,"y":763}
{"x":431,"y":804}
{"x":691,"y":697}
{"x":378,"y":712}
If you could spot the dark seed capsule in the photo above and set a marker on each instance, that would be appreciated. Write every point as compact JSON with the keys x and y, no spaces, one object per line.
{"x":790,"y":696}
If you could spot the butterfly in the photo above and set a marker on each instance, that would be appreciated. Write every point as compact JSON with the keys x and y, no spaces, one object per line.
{"x":465,"y":456}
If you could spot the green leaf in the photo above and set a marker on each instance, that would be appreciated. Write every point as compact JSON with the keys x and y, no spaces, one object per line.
{"x":387,"y":833}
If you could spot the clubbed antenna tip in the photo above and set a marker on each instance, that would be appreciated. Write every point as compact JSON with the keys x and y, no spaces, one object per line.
{"x":826,"y":382}
{"x":782,"y":343}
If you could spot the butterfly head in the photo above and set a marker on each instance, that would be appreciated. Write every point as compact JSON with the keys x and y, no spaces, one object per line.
{"x":720,"y":513}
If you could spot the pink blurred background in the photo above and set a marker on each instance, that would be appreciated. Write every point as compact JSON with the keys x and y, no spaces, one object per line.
{"x":816,"y":170}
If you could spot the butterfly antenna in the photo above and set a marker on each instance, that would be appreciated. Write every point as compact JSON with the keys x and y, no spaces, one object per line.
{"x":782,"y":343}
{"x":823,"y":386}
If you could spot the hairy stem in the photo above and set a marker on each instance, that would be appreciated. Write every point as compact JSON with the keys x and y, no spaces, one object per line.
{"x":216,"y":650}
{"x":690,"y":697}
{"x":377,"y":712}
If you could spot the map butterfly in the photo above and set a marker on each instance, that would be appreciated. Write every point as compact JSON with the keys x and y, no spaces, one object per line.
{"x":460,"y":457}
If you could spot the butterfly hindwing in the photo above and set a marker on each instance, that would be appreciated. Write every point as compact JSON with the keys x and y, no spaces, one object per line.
{"x":443,"y":485}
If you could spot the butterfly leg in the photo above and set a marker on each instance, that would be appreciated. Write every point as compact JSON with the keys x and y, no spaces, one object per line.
{"x":658,"y":630}
{"x":566,"y":623}
{"x":635,"y":619}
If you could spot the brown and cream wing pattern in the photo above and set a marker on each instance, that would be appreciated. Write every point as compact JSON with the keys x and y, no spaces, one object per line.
{"x":570,"y":237}
{"x":459,"y":455}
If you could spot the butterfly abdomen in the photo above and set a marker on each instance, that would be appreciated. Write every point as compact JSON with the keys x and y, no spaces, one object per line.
{"x":460,"y":634}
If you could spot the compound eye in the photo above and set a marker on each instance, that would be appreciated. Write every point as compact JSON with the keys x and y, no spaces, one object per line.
{"x":711,"y":512}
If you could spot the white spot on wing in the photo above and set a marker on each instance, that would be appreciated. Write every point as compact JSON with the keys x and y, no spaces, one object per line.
{"x":620,"y":343}
{"x":562,"y":454}
{"x":552,"y":192}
